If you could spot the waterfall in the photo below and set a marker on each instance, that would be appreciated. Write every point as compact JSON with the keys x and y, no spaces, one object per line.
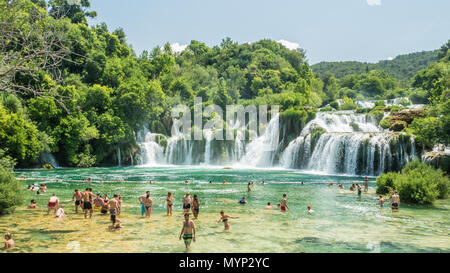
{"x":261,"y":151}
{"x":208,"y":134}
{"x":152,"y":152}
{"x":345,"y":142}
{"x":119,"y":158}
{"x":47,"y":157}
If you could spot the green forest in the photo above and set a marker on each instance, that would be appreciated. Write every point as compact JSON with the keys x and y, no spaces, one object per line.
{"x":81,"y":91}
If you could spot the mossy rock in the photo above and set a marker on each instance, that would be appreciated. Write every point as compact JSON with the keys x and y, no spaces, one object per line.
{"x":398,"y":125}
{"x":48,"y":166}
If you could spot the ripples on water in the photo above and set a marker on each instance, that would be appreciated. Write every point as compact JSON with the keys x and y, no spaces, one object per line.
{"x":342,"y":222}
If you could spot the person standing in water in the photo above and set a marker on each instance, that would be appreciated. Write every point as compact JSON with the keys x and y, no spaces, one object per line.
{"x":395,"y":201}
{"x":381,"y":201}
{"x":359,"y":189}
{"x":224,"y":218}
{"x":141,"y":201}
{"x":195,"y":206}
{"x":186,"y":202}
{"x":78,"y":196}
{"x":188,"y":231}
{"x":113,"y":205}
{"x":119,"y":201}
{"x":269,"y":206}
{"x":310,"y":211}
{"x":87,"y":202}
{"x":53,"y":204}
{"x":248,"y":186}
{"x":242,"y":201}
{"x":98,"y":202}
{"x":148,"y":204}
{"x":9,"y":242}
{"x":284,"y":206}
{"x":32,"y":204}
{"x":366,"y":184}
{"x":169,"y":200}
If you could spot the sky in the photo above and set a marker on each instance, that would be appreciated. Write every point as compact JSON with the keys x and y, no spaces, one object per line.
{"x":329,"y":30}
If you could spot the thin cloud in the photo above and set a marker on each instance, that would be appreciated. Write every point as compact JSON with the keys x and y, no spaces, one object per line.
{"x":176,"y":47}
{"x":373,"y":2}
{"x":289,"y":45}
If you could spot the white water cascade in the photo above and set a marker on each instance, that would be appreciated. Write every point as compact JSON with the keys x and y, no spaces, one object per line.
{"x":119,"y":157}
{"x":345,"y":142}
{"x":151,"y":152}
{"x":261,"y":151}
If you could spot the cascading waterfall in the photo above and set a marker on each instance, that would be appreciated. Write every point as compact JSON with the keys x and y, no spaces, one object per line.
{"x":119,"y":157}
{"x":261,"y":151}
{"x":345,"y":142}
{"x":152,"y":152}
{"x":208,"y":134}
{"x":47,"y":157}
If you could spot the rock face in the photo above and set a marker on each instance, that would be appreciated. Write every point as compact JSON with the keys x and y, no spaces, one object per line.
{"x":399,"y":120}
{"x":438,"y":158}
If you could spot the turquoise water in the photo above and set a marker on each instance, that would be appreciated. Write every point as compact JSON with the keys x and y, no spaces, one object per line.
{"x":342,"y":222}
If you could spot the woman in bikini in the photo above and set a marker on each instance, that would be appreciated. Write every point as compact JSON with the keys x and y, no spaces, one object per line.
{"x":224,"y":218}
{"x":195,"y":206}
{"x":169,"y":200}
{"x":187,"y":202}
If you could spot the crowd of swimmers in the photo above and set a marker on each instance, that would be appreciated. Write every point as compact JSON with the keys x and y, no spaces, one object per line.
{"x":87,"y":202}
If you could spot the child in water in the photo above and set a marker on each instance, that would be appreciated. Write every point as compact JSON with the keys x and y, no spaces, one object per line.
{"x":310,"y":211}
{"x":381,"y":201}
{"x":9,"y":243}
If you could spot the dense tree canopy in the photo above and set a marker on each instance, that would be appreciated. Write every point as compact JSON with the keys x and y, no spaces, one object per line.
{"x":82,"y":93}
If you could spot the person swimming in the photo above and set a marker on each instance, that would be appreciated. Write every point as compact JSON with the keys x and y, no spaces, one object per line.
{"x":310,"y":211}
{"x":224,"y":218}
{"x":32,"y":204}
{"x":9,"y":242}
{"x":269,"y":206}
{"x":242,"y":201}
{"x":60,"y":212}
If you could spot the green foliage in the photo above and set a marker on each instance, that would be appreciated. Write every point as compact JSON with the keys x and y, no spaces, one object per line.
{"x":11,"y":194}
{"x":402,"y":67}
{"x":417,"y":183}
{"x":347,"y":104}
{"x":19,"y":137}
{"x":385,"y":182}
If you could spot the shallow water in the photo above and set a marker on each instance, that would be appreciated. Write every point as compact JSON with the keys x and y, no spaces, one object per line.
{"x":342,"y":222}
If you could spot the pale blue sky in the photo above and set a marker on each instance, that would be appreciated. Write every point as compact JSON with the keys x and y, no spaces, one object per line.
{"x":329,"y":30}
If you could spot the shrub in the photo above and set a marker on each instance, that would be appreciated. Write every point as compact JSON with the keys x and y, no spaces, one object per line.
{"x":334,"y":104}
{"x":417,"y":183}
{"x":11,"y":194}
{"x":385,"y":183}
{"x":347,"y":104}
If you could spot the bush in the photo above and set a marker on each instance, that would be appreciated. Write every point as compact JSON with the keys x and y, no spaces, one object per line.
{"x":11,"y":194}
{"x":334,"y":104}
{"x":347,"y":104}
{"x":417,"y":183}
{"x":385,"y":183}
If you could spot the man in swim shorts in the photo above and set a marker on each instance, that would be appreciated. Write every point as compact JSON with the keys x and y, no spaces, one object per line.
{"x":141,"y":201}
{"x":113,"y":206}
{"x":78,"y":196}
{"x":395,"y":201}
{"x":283,"y":205}
{"x":98,"y":202}
{"x":88,"y":197}
{"x":188,"y":231}
{"x":53,"y":204}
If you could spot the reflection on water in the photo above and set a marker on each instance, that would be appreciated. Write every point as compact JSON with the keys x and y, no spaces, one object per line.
{"x":342,"y":222}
